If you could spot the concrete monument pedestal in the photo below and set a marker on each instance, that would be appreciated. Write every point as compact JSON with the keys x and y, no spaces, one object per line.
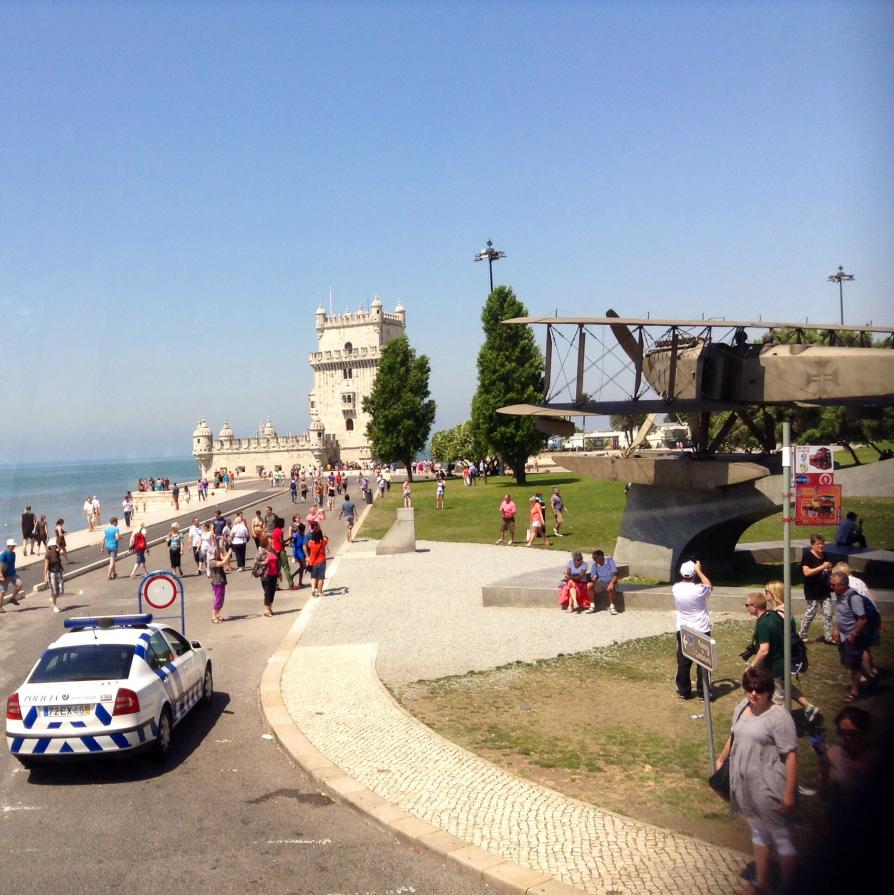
{"x":401,"y":537}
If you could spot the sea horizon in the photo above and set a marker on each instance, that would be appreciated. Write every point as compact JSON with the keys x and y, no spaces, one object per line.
{"x":58,"y":489}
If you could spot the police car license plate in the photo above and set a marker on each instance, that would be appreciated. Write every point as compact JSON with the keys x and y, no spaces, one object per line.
{"x":65,"y":711}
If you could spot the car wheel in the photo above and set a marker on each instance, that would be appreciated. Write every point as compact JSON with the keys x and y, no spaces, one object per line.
{"x":165,"y":735}
{"x":207,"y":687}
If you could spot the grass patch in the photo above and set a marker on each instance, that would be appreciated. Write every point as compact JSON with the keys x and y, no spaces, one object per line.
{"x":606,"y":727}
{"x":593,"y":518}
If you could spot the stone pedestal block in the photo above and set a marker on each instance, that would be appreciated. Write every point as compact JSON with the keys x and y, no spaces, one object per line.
{"x":401,"y":537}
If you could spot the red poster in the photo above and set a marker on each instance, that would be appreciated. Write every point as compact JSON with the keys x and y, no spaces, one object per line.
{"x":818,"y":504}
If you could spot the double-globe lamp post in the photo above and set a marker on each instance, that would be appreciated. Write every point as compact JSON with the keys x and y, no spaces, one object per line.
{"x":490,"y":254}
{"x":840,"y":278}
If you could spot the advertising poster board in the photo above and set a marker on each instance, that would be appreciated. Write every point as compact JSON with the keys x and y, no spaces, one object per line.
{"x":817,"y":504}
{"x":813,"y":464}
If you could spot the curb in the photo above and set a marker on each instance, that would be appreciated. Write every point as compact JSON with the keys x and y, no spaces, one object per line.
{"x":494,"y":870}
{"x":98,"y":564}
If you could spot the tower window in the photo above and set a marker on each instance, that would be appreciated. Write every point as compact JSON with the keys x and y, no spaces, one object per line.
{"x":347,"y":373}
{"x":349,"y":347}
{"x":349,"y":425}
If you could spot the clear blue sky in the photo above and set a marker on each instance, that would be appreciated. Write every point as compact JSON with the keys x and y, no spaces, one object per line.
{"x":184,"y":182}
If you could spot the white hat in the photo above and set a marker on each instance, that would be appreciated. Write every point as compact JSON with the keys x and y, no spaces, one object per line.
{"x":11,"y":542}
{"x":51,"y":542}
{"x":687,"y":570}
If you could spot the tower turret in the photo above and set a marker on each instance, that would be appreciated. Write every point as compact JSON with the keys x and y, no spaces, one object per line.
{"x":201,"y":445}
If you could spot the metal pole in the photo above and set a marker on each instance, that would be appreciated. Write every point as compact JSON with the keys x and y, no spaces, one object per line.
{"x":706,"y":693}
{"x":490,"y":267}
{"x":840,"y":298}
{"x":787,"y":559}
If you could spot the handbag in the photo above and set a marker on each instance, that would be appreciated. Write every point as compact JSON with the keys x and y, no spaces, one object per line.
{"x":719,"y":780}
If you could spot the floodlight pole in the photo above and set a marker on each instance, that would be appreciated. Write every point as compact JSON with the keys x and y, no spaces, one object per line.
{"x":490,"y":254}
{"x":840,"y":278}
{"x":787,"y":560}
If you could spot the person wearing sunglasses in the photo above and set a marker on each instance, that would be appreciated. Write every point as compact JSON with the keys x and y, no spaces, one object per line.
{"x":763,"y":772}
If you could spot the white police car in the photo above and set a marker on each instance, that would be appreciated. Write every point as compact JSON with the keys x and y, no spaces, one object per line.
{"x":109,"y":685}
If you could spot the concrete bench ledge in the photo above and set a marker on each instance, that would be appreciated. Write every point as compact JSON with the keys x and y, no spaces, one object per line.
{"x":538,"y":589}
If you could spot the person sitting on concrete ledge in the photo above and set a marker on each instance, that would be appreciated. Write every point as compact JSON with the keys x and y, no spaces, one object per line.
{"x":850,"y":532}
{"x":573,"y":592}
{"x":603,"y":572}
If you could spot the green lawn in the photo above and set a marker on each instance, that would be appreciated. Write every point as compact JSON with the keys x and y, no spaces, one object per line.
{"x":593,"y":516}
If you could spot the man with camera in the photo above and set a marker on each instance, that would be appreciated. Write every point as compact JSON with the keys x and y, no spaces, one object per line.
{"x":691,"y":601}
{"x":767,"y":650}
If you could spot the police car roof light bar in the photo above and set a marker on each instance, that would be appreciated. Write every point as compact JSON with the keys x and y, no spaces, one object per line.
{"x":108,"y":621}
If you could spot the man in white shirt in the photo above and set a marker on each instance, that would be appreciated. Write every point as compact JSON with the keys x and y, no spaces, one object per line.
{"x":691,"y":600}
{"x":195,"y":541}
{"x":603,"y":577}
{"x":87,"y":510}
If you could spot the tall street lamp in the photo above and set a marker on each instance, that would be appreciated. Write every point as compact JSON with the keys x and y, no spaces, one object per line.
{"x":840,"y":278}
{"x":490,"y":254}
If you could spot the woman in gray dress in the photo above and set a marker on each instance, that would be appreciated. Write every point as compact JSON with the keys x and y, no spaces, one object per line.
{"x":763,"y":774}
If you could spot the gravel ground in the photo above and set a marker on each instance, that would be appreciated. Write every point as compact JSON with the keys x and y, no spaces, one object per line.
{"x":424,"y":611}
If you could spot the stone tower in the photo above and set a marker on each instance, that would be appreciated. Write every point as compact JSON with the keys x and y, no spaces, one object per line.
{"x":345,"y":365}
{"x":202,"y":445}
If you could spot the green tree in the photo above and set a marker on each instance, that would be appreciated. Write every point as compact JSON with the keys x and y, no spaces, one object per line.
{"x":452,"y":445}
{"x":510,"y":371}
{"x":628,"y":423}
{"x":400,"y":410}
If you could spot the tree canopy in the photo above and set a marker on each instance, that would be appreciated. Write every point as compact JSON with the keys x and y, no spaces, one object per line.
{"x":510,"y":371}
{"x":400,"y":410}
{"x":453,"y":445}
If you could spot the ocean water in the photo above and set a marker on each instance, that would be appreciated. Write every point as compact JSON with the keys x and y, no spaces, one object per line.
{"x":59,"y":489}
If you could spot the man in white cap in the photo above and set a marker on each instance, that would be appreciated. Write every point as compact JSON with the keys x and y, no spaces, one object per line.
{"x":691,"y":600}
{"x":8,"y":578}
{"x":52,"y":573}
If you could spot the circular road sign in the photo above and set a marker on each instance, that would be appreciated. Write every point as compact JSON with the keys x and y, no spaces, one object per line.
{"x":826,"y":478}
{"x":160,"y":589}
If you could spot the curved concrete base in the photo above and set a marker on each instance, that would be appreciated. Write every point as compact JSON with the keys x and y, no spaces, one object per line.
{"x":401,"y":537}
{"x":663,"y":526}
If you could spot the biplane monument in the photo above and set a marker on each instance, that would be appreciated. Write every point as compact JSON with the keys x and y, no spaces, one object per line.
{"x":699,"y":501}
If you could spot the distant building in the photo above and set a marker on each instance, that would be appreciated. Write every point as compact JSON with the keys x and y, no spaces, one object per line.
{"x":345,"y":364}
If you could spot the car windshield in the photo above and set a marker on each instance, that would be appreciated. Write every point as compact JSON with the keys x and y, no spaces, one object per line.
{"x":89,"y":662}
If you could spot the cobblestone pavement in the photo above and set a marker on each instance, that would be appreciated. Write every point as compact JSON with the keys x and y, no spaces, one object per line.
{"x":331,"y":688}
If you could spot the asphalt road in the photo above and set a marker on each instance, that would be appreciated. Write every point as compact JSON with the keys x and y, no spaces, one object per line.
{"x":228,"y":812}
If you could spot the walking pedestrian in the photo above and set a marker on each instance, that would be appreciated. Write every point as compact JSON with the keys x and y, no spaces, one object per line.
{"x":41,"y":533}
{"x":140,"y":547}
{"x":763,"y":772}
{"x":60,"y":538}
{"x":111,"y":538}
{"x":239,"y":540}
{"x":299,"y":552}
{"x":440,"y":488}
{"x":848,"y":632}
{"x":817,"y":587}
{"x":28,"y":520}
{"x":691,"y":600}
{"x":537,"y":524}
{"x":408,"y":495}
{"x":269,"y":561}
{"x":127,"y":508}
{"x":217,"y":573}
{"x":293,"y":489}
{"x":187,"y":497}
{"x":8,"y":578}
{"x":52,"y":573}
{"x":347,"y":513}
{"x":316,"y":560}
{"x":278,"y":545}
{"x":175,"y":496}
{"x":507,"y":515}
{"x":87,"y":512}
{"x":558,"y":508}
{"x":195,"y":542}
{"x":174,"y":541}
{"x":97,"y":511}
{"x":258,"y":529}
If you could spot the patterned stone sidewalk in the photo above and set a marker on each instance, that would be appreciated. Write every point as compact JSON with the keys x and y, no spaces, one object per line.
{"x":337,"y":701}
